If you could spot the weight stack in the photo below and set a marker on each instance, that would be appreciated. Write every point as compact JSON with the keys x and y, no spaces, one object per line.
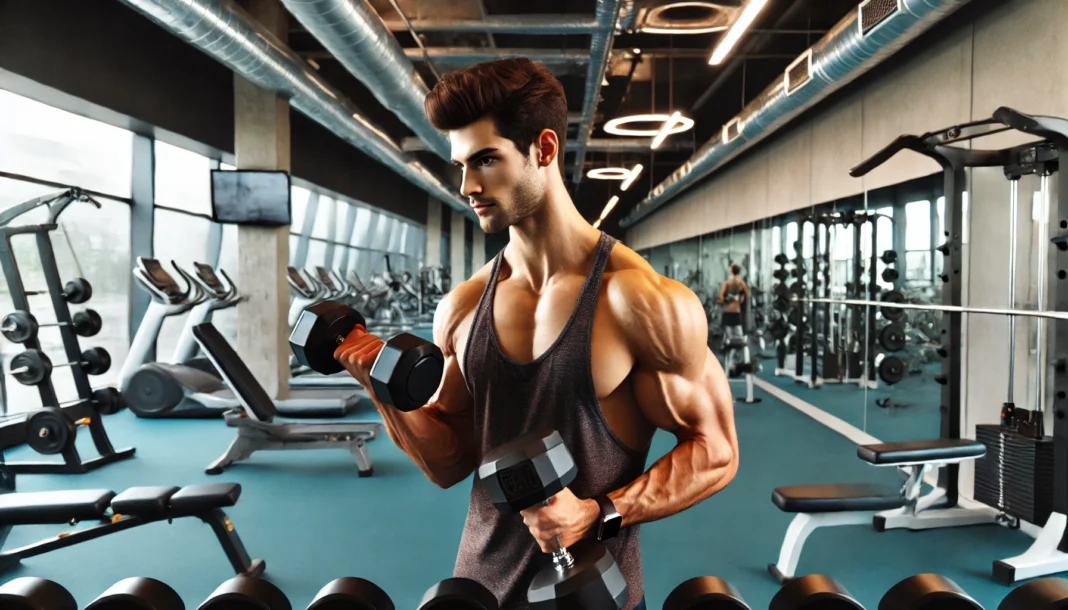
{"x":1016,"y":474}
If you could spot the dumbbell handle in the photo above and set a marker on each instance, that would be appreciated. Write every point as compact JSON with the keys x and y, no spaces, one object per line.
{"x":26,"y":369}
{"x":10,"y":327}
{"x":562,"y":558}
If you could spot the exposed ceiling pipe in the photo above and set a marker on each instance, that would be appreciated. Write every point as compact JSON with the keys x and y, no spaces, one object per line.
{"x":637,"y":145}
{"x":504,"y":24}
{"x":227,"y":33}
{"x":356,"y":36}
{"x":747,"y":47}
{"x":859,"y":42}
{"x":607,"y":16}
{"x":474,"y":55}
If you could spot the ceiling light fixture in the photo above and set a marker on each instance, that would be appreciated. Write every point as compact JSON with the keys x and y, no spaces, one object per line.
{"x":634,"y":173}
{"x":608,"y":207}
{"x":614,"y":126}
{"x":665,"y":130}
{"x":749,"y":13}
{"x":608,"y":173}
{"x":597,"y":224}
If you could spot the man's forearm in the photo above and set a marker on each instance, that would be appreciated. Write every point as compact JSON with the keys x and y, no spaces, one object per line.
{"x":427,"y":436}
{"x":688,"y":474}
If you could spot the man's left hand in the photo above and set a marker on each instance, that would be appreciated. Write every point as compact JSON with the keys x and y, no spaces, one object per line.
{"x":566,"y":516}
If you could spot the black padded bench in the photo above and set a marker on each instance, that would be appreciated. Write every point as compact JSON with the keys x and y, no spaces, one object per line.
{"x":826,"y":505}
{"x":115,"y":513}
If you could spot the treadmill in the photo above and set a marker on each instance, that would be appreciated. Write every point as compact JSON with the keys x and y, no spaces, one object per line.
{"x":176,"y":390}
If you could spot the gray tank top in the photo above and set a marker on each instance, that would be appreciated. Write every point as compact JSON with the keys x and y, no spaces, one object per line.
{"x":554,"y":391}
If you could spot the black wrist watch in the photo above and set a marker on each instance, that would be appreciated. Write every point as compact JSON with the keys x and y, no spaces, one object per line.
{"x":611,"y":521}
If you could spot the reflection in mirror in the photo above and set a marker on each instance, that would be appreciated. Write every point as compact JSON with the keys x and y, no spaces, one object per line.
{"x":903,"y":400}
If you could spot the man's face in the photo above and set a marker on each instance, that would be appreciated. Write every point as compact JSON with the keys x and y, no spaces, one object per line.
{"x":503,"y":185}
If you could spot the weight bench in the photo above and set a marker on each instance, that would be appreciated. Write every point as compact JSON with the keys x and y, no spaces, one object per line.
{"x":884,"y":507}
{"x":255,"y":422}
{"x":133,"y":507}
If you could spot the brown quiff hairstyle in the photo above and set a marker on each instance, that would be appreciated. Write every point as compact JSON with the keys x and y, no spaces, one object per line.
{"x":521,"y":96}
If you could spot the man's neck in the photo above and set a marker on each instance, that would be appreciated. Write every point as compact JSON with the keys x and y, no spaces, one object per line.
{"x":554,"y":239}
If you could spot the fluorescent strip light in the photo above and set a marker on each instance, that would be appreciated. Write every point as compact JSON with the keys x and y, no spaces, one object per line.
{"x":666,"y":129}
{"x":597,"y":224}
{"x":608,"y":208}
{"x":634,"y":173}
{"x":724,"y":47}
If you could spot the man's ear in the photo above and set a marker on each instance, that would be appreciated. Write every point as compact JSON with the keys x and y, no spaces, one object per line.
{"x":547,"y":146}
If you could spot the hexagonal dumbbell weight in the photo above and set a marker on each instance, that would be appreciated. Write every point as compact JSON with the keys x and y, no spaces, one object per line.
{"x":405,"y":374}
{"x":527,"y":472}
{"x":32,"y":366}
{"x":21,"y":326}
{"x":76,"y":291}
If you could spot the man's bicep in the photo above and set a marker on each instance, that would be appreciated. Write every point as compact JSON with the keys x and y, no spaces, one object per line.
{"x":690,"y":400}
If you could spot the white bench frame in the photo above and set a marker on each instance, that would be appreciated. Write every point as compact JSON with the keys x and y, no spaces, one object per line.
{"x":917,"y":513}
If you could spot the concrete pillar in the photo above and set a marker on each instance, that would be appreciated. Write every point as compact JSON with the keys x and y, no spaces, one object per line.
{"x":478,"y":249}
{"x":457,"y":243}
{"x":433,"y":233}
{"x":261,"y":141}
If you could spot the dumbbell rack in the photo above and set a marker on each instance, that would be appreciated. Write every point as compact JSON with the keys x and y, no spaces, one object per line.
{"x":84,"y":407}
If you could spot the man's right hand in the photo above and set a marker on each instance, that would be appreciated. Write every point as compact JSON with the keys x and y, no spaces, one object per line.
{"x":357,"y":353}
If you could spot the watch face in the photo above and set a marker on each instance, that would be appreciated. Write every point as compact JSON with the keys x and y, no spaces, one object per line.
{"x":611,"y":520}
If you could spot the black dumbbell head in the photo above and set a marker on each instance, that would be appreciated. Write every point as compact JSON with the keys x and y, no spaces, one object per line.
{"x":247,"y":593}
{"x":458,"y":594}
{"x":705,"y":593}
{"x":108,"y":401}
{"x":19,"y":326}
{"x":407,"y":372}
{"x":138,"y":594}
{"x":32,"y":593}
{"x":97,"y":360}
{"x":350,"y":593}
{"x":595,"y":581}
{"x":929,"y":592}
{"x":527,"y":471}
{"x":319,"y":330}
{"x":31,"y":367}
{"x":78,"y":291}
{"x":87,"y":323}
{"x":49,"y":431}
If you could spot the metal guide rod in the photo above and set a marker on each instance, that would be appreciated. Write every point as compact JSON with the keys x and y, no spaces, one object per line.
{"x":1053,"y":315}
{"x":1043,"y":257}
{"x":1014,"y":195}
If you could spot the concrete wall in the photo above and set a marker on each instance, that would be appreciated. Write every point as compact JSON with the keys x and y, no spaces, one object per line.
{"x":1003,"y":57}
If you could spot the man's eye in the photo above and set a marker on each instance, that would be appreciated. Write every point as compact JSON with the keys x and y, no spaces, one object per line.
{"x":484,"y":161}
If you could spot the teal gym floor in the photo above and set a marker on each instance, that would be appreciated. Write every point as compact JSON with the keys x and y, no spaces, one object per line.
{"x":309,"y":516}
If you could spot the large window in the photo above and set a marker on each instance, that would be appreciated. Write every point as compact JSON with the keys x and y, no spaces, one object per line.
{"x":51,"y":144}
{"x":183,"y":179}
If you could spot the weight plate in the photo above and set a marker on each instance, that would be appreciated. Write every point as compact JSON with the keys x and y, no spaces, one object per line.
{"x":780,"y":290}
{"x":890,"y":275}
{"x":892,"y":338}
{"x":781,"y":259}
{"x":780,"y":304}
{"x":891,"y":370}
{"x":798,"y":289}
{"x":48,"y":431}
{"x":892,"y":313}
{"x":889,"y":257}
{"x":19,"y":326}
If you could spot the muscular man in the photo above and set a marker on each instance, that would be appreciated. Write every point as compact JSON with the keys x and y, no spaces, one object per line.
{"x":732,"y":294}
{"x":565,"y":329}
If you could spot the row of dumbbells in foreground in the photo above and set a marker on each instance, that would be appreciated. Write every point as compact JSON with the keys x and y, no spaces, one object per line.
{"x":813,"y":592}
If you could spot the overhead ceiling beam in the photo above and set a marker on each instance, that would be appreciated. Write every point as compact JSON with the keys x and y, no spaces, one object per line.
{"x":622,"y":145}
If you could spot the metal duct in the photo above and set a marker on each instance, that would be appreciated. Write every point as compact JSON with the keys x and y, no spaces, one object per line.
{"x":356,"y":36}
{"x":860,"y":41}
{"x":504,"y":24}
{"x":606,"y":15}
{"x":230,"y":35}
{"x":472,"y":55}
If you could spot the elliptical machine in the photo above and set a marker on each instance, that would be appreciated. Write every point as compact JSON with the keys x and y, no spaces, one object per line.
{"x":174,"y":390}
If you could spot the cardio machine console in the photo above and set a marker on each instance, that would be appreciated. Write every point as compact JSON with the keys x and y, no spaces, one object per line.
{"x":157,"y":280}
{"x":298,"y":283}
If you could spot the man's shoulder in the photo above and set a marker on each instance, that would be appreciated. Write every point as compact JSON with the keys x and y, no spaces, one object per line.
{"x":634,"y":288}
